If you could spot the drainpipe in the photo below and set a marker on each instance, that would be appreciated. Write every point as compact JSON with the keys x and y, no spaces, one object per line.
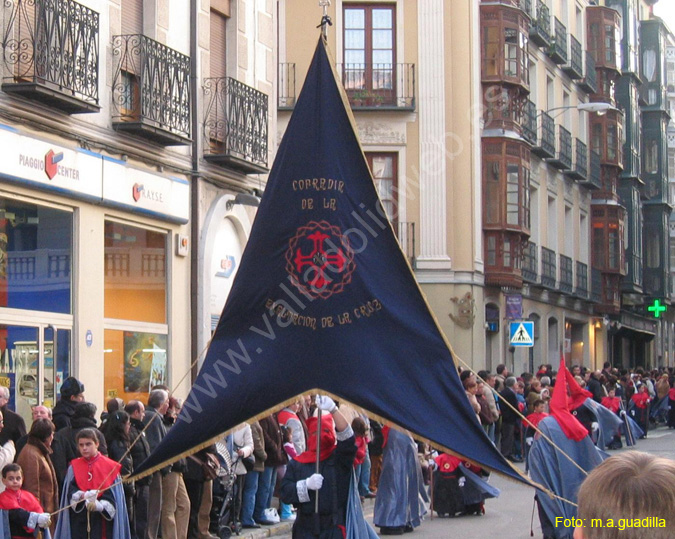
{"x":195,"y":193}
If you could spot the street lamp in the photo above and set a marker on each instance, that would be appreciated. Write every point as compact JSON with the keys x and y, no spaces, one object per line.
{"x":600,"y":108}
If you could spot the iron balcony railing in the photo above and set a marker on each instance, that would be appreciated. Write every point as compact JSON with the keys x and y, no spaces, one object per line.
{"x":286,"y":75}
{"x":596,"y":285}
{"x":593,"y":179}
{"x":590,"y":81}
{"x":545,"y":146}
{"x":406,"y":238}
{"x":51,"y":53}
{"x":548,"y":267}
{"x":540,"y":27}
{"x":558,"y":48}
{"x":563,"y":158}
{"x":580,"y":160}
{"x":530,"y":267}
{"x":151,"y":89}
{"x":575,"y":67}
{"x":566,"y":274}
{"x":582,"y":280}
{"x":529,"y":126}
{"x":373,"y":86}
{"x":235,"y":125}
{"x":526,"y":6}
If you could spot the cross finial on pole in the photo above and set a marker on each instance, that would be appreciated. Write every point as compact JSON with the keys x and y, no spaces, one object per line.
{"x":325,"y":19}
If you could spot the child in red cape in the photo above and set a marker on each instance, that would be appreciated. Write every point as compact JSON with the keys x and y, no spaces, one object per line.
{"x":25,"y":511}
{"x":611,"y":402}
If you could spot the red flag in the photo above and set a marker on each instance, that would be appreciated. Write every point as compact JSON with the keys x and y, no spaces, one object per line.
{"x":578,"y":395}
{"x":560,"y":409}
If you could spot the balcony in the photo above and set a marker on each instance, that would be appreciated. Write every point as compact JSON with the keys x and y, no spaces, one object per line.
{"x":540,"y":27}
{"x":581,"y":288}
{"x":590,"y":82}
{"x":566,"y":274}
{"x":545,"y":145}
{"x":151,"y":90}
{"x":51,"y":53}
{"x":235,"y":125}
{"x":558,"y":49}
{"x":596,"y":285}
{"x":379,"y":86}
{"x":530,"y":267}
{"x":405,"y":232}
{"x":526,"y":6}
{"x":563,"y":158}
{"x":580,"y":169}
{"x":593,"y":179}
{"x":286,"y":90}
{"x":575,"y":67}
{"x":548,"y":268}
{"x":529,"y":126}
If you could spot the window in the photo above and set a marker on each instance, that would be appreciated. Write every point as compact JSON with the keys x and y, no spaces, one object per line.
{"x":491,"y":50}
{"x":512,"y":195}
{"x":492,"y":213}
{"x":651,"y":157}
{"x":610,"y":44}
{"x":613,"y":244}
{"x":135,"y":310}
{"x":217,"y":44}
{"x":36,"y":246}
{"x":504,"y":44}
{"x":369,"y":53}
{"x":491,"y":250}
{"x":384,"y":167}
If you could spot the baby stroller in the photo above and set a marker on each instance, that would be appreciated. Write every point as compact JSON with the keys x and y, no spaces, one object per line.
{"x":223,"y":513}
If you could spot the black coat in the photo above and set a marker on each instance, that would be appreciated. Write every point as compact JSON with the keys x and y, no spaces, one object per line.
{"x":63,"y":413}
{"x":14,"y":426}
{"x":508,"y":415}
{"x":140,"y":450}
{"x":274,"y":446}
{"x":337,"y":472}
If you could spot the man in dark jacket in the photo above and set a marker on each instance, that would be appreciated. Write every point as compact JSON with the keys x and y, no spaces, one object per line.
{"x":595,"y":387}
{"x":139,"y":452}
{"x":14,"y":426}
{"x":64,"y":444}
{"x":509,"y":418}
{"x":72,"y":392}
{"x":158,"y":404}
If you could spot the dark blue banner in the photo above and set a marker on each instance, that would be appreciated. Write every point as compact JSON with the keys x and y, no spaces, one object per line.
{"x":324,"y":298}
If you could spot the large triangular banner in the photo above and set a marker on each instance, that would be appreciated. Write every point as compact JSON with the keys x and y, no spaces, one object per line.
{"x":324,"y":298}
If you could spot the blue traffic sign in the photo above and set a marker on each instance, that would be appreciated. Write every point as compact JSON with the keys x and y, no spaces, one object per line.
{"x":521,"y":333}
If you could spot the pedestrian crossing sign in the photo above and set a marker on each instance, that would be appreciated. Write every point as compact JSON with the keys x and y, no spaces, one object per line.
{"x":521,"y":333}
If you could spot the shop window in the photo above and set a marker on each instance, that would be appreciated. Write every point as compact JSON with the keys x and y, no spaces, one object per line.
{"x":384,"y":167}
{"x":134,"y":362}
{"x":135,"y":273}
{"x":35,"y":257}
{"x":135,"y":300}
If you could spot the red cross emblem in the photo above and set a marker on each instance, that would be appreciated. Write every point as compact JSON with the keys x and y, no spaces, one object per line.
{"x":320,"y":260}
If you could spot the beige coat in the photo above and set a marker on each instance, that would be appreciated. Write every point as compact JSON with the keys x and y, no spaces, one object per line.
{"x":39,"y":477}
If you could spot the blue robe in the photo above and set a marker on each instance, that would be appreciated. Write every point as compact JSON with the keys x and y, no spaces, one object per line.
{"x":610,"y":423}
{"x":554,"y":471}
{"x":401,"y":495}
{"x":5,"y":532}
{"x":120,"y":521}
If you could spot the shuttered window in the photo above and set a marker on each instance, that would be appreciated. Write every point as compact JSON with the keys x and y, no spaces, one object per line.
{"x":132,"y":17}
{"x":217,"y":44}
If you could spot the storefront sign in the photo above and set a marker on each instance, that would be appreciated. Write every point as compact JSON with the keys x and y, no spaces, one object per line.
{"x":91,"y":176}
{"x":56,"y":168}
{"x":141,"y":191}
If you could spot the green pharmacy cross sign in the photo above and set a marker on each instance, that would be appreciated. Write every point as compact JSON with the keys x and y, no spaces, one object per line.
{"x":656,"y":308}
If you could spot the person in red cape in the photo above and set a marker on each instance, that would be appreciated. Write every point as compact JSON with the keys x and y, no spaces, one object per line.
{"x":612,"y":402}
{"x":301,"y":483}
{"x":560,"y":406}
{"x":641,"y":400}
{"x":24,"y":510}
{"x":93,"y":504}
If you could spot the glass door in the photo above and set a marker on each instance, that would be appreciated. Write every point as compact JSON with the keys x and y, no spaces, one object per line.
{"x":34,"y":360}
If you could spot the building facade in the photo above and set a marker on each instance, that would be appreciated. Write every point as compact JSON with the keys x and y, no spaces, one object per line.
{"x":114,"y":183}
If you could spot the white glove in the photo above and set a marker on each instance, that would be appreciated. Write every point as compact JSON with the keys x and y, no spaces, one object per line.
{"x":325,"y":403}
{"x":91,"y":495}
{"x":77,"y":496}
{"x":94,"y":505}
{"x":44,"y":520}
{"x":529,"y":440}
{"x":595,"y":426}
{"x":315,"y":481}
